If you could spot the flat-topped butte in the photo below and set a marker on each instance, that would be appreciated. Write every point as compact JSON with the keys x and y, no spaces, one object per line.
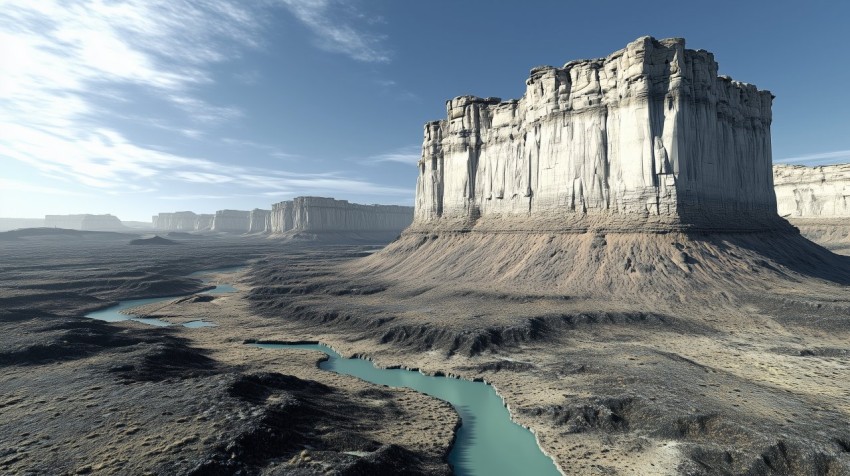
{"x":648,"y":137}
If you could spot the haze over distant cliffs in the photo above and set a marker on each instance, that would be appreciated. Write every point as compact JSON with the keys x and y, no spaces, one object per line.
{"x":649,"y":135}
{"x":302,"y":215}
{"x":817,"y":201}
{"x":813,"y":192}
{"x":182,"y":221}
{"x":85,"y":222}
{"x":319,"y":214}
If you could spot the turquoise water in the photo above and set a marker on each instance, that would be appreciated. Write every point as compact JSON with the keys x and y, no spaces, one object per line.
{"x":196,"y":324}
{"x":488,"y":443}
{"x":221,"y":289}
{"x":113,"y":314}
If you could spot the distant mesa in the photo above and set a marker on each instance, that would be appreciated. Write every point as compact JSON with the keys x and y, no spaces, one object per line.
{"x":182,"y":221}
{"x":85,"y":222}
{"x":813,"y":192}
{"x":232,"y":221}
{"x":302,"y":217}
{"x":816,"y":200}
{"x":259,"y":221}
{"x":324,"y":215}
{"x":154,"y":240}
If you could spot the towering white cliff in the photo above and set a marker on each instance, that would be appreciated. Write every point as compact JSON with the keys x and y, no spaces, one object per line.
{"x":649,"y":136}
{"x":85,"y":222}
{"x":182,"y":221}
{"x":259,"y":221}
{"x":282,"y":216}
{"x":233,"y":221}
{"x":204,"y":222}
{"x":318,"y":214}
{"x":813,"y":192}
{"x":177,"y":221}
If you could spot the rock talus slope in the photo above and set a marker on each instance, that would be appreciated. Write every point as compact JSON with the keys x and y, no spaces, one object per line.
{"x":607,"y":251}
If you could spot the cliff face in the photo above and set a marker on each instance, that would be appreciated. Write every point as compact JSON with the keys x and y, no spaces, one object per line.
{"x":318,"y":214}
{"x":85,"y":222}
{"x":177,"y":221}
{"x":649,"y":135}
{"x":204,"y":222}
{"x":259,"y":221}
{"x":234,"y":221}
{"x":183,"y":221}
{"x":812,"y":192}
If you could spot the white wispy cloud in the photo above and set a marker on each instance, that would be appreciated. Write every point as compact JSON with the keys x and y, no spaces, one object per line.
{"x":405,"y":155}
{"x":336,"y":30}
{"x":64,"y":61}
{"x":8,"y":185}
{"x":61,"y":58}
{"x":822,"y":158}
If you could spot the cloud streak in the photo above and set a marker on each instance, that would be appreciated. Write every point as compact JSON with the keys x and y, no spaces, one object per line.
{"x":336,"y":32}
{"x":822,"y":158}
{"x":71,"y":68}
{"x":409,"y":155}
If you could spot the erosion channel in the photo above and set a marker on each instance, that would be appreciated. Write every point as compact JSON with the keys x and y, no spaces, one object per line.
{"x":488,"y":441}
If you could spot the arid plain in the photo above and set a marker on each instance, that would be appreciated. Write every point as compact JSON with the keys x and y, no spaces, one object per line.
{"x":642,"y":384}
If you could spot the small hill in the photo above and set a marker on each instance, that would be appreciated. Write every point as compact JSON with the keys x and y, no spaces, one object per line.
{"x":155,"y":240}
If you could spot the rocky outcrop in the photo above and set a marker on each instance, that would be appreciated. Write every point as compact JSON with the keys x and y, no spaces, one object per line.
{"x":318,"y":214}
{"x":183,"y":221}
{"x":812,"y":192}
{"x":177,"y":221}
{"x":85,"y":222}
{"x":204,"y":222}
{"x":817,"y":201}
{"x":282,"y":216}
{"x":259,"y":221}
{"x":648,"y":137}
{"x":233,"y":221}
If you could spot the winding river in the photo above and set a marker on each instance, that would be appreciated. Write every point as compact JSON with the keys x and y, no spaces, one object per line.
{"x":488,"y":443}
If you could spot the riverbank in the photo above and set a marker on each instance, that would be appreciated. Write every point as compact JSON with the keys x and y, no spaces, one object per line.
{"x":86,"y":397}
{"x":756,"y":386}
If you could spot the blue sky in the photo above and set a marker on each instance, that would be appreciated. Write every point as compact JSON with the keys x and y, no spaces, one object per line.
{"x":143,"y":106}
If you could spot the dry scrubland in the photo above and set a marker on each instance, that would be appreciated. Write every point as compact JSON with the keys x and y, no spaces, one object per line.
{"x":85,"y":397}
{"x":626,"y":353}
{"x":645,"y":354}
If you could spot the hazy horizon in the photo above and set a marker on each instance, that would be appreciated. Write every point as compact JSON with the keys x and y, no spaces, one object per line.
{"x":140,"y":107}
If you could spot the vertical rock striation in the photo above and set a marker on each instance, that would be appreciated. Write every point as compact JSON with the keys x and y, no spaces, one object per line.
{"x":182,"y":221}
{"x":318,"y":214}
{"x":233,"y":221}
{"x":812,"y":192}
{"x":817,"y":201}
{"x":204,"y":222}
{"x":176,"y":221}
{"x":259,"y":221}
{"x":649,"y":136}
